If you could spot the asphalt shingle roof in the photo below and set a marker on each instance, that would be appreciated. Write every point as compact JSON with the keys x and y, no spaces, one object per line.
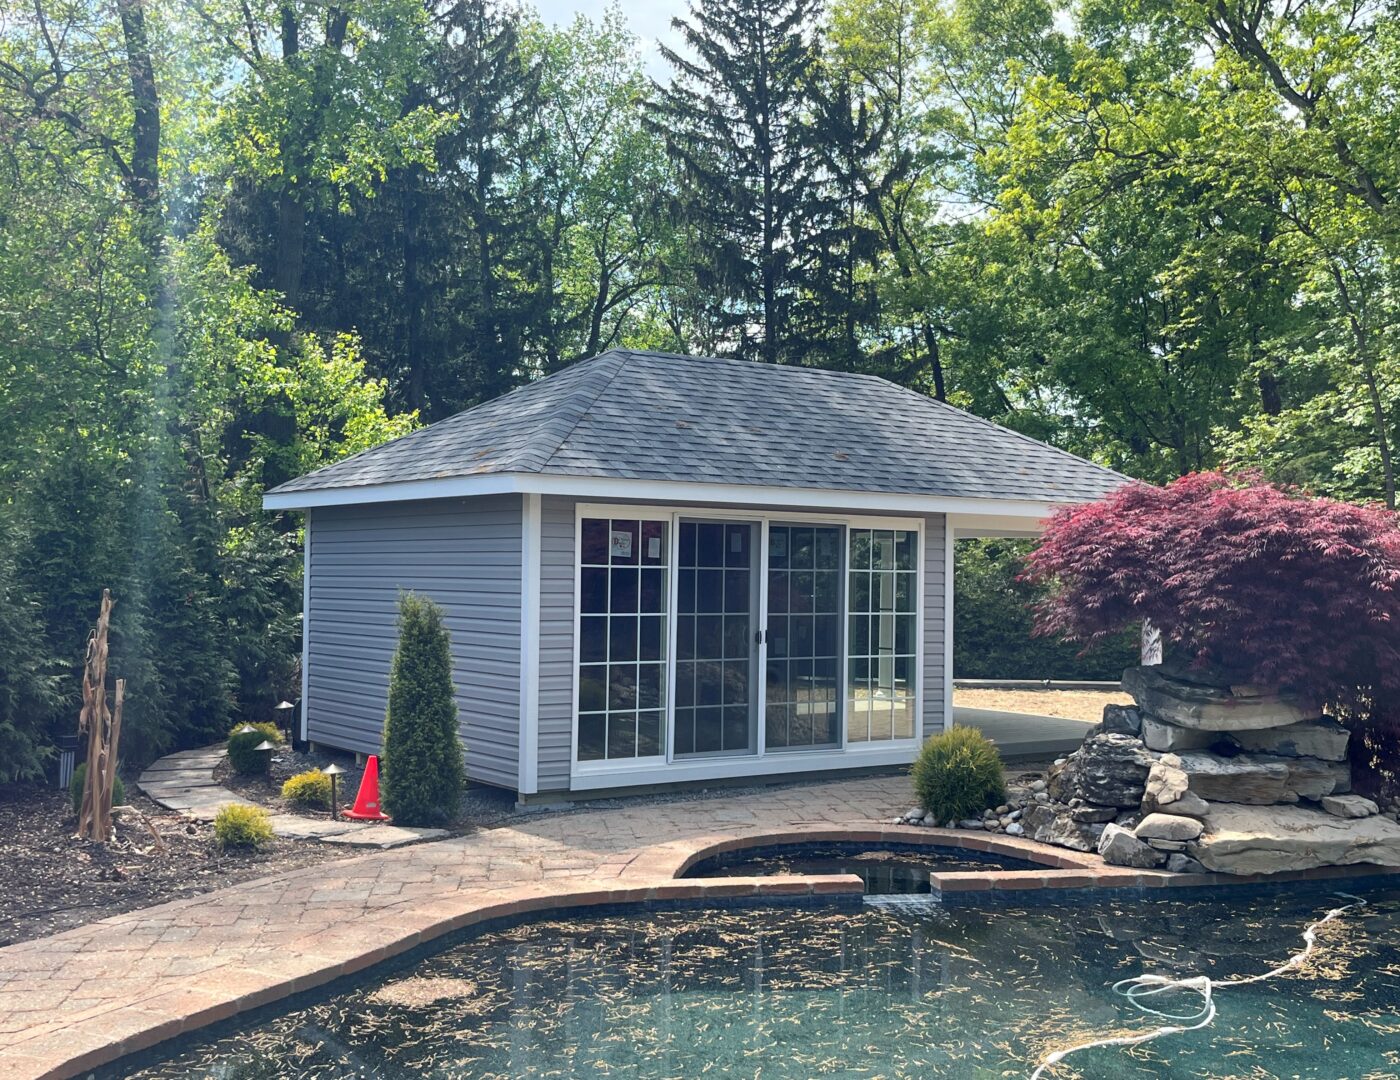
{"x":658,"y":416}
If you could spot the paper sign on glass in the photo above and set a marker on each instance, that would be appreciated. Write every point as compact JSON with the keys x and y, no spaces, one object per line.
{"x":621,"y":544}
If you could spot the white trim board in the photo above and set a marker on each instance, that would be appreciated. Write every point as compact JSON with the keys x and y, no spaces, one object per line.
{"x":305,"y":624}
{"x":1024,"y":513}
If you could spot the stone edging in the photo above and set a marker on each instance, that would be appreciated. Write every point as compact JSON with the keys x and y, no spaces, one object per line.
{"x":184,"y":782}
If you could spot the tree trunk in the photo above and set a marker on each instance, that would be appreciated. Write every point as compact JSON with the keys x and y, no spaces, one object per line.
{"x":144,"y":179}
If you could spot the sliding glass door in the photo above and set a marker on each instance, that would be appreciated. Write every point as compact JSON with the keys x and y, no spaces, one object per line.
{"x":705,"y":637}
{"x":716,"y":644}
{"x":803,"y":692}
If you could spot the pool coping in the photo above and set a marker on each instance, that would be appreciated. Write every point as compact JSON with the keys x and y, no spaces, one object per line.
{"x":651,"y":877}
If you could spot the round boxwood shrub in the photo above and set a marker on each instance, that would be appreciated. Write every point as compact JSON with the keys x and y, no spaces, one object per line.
{"x":242,"y":754}
{"x":311,"y":788}
{"x":241,"y":826}
{"x":958,"y":775}
{"x":423,"y":775}
{"x":75,"y":788}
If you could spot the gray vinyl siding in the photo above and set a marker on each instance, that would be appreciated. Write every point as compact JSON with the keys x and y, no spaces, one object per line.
{"x":556,"y":689}
{"x":556,"y":675}
{"x":464,"y":554}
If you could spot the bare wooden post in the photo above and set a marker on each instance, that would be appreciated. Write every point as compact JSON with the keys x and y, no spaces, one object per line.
{"x":102,"y":729}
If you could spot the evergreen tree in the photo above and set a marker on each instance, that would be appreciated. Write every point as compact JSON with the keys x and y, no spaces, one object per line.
{"x":736,"y":119}
{"x":423,"y":755}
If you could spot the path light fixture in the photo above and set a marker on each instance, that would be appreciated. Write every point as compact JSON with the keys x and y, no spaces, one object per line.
{"x":283,"y":711}
{"x":247,"y":728}
{"x":267,"y":748}
{"x":333,"y":770}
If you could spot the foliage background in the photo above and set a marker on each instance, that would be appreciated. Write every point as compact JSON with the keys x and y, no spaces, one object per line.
{"x":242,"y":239}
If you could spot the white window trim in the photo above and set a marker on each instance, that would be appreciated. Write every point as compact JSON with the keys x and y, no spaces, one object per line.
{"x":667,"y":767}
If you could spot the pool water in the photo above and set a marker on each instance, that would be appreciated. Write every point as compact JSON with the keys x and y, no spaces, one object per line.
{"x":894,"y":870}
{"x":829,"y":992}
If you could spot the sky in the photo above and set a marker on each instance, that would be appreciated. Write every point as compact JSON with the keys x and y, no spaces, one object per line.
{"x":650,"y":20}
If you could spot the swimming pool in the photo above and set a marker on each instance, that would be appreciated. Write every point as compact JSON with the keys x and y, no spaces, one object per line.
{"x":815,"y":992}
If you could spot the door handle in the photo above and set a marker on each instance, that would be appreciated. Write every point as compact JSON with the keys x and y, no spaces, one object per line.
{"x":760,"y":636}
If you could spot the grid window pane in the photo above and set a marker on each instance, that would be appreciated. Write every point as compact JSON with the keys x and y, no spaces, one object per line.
{"x":623,"y":596}
{"x":882,"y":646}
{"x":714,"y":637}
{"x":804,"y":636}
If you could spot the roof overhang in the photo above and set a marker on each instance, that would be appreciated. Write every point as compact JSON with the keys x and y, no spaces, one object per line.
{"x":976,"y":516}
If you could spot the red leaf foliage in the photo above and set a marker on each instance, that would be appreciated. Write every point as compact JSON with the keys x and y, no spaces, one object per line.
{"x":1276,"y":586}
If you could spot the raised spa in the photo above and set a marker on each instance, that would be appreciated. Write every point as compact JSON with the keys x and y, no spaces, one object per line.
{"x":891,"y":869}
{"x":838,"y":992}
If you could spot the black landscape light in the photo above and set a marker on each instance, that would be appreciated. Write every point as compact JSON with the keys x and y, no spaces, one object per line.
{"x":333,"y":770}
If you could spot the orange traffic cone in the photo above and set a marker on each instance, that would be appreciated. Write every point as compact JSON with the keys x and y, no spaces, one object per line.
{"x":366,"y":806}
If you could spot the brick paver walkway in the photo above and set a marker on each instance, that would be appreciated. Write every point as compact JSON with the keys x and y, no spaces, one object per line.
{"x":77,"y":999}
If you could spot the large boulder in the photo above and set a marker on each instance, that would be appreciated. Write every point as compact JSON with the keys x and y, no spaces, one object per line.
{"x":1107,"y":770}
{"x":1168,"y":827}
{"x":1269,"y":840}
{"x":1119,"y":847}
{"x":1324,"y":738}
{"x":1209,"y":706}
{"x":1349,"y":806}
{"x":1050,"y":823}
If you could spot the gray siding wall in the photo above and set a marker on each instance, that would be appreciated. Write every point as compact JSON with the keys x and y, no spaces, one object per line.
{"x":557,"y":581}
{"x":556,"y":690}
{"x":464,"y":554}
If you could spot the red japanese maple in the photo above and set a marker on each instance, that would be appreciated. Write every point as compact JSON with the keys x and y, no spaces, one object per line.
{"x":1277,"y":587}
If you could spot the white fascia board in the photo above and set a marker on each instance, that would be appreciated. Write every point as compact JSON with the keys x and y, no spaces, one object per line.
{"x":1027,"y":512}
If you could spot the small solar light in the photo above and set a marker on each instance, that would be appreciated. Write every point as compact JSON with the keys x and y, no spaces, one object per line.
{"x":246,"y":728}
{"x":333,"y":770}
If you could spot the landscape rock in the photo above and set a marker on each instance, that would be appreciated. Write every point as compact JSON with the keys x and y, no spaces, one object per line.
{"x":1349,"y":806}
{"x":1184,"y":864}
{"x":1167,"y":695}
{"x":1121,"y":720}
{"x":1107,"y":770}
{"x":1269,"y":840}
{"x":1119,"y":847}
{"x":1242,"y":779}
{"x":1168,"y":738}
{"x":1087,"y":814}
{"x":1324,"y":738}
{"x":1051,"y":824}
{"x":1168,"y":827}
{"x":1171,"y":847}
{"x":1309,"y":778}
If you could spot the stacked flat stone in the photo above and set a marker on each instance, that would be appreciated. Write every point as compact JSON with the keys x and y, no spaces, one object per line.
{"x":1204,"y":774}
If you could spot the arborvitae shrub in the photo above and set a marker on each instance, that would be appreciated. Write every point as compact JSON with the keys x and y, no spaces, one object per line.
{"x":423,"y":772}
{"x":958,"y":775}
{"x":75,"y":788}
{"x":241,"y":826}
{"x":311,"y":788}
{"x":242,"y":754}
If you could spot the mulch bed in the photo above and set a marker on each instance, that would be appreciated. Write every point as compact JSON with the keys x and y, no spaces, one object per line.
{"x":481,"y":807}
{"x":52,"y":882}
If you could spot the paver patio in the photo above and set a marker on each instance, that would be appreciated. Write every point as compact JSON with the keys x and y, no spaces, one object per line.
{"x":88,"y":996}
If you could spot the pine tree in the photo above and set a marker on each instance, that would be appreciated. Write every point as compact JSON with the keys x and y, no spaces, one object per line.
{"x":423,"y":755}
{"x":736,"y":120}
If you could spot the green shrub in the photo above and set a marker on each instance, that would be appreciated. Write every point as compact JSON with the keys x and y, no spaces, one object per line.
{"x":242,"y":754}
{"x":958,"y":775}
{"x":423,"y":775}
{"x":75,"y":788}
{"x":310,"y":788}
{"x":241,"y":826}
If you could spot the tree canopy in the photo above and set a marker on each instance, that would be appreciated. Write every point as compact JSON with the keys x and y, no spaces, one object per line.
{"x":239,"y":240}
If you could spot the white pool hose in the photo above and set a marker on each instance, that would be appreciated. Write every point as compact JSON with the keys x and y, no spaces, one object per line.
{"x":1145,"y":986}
